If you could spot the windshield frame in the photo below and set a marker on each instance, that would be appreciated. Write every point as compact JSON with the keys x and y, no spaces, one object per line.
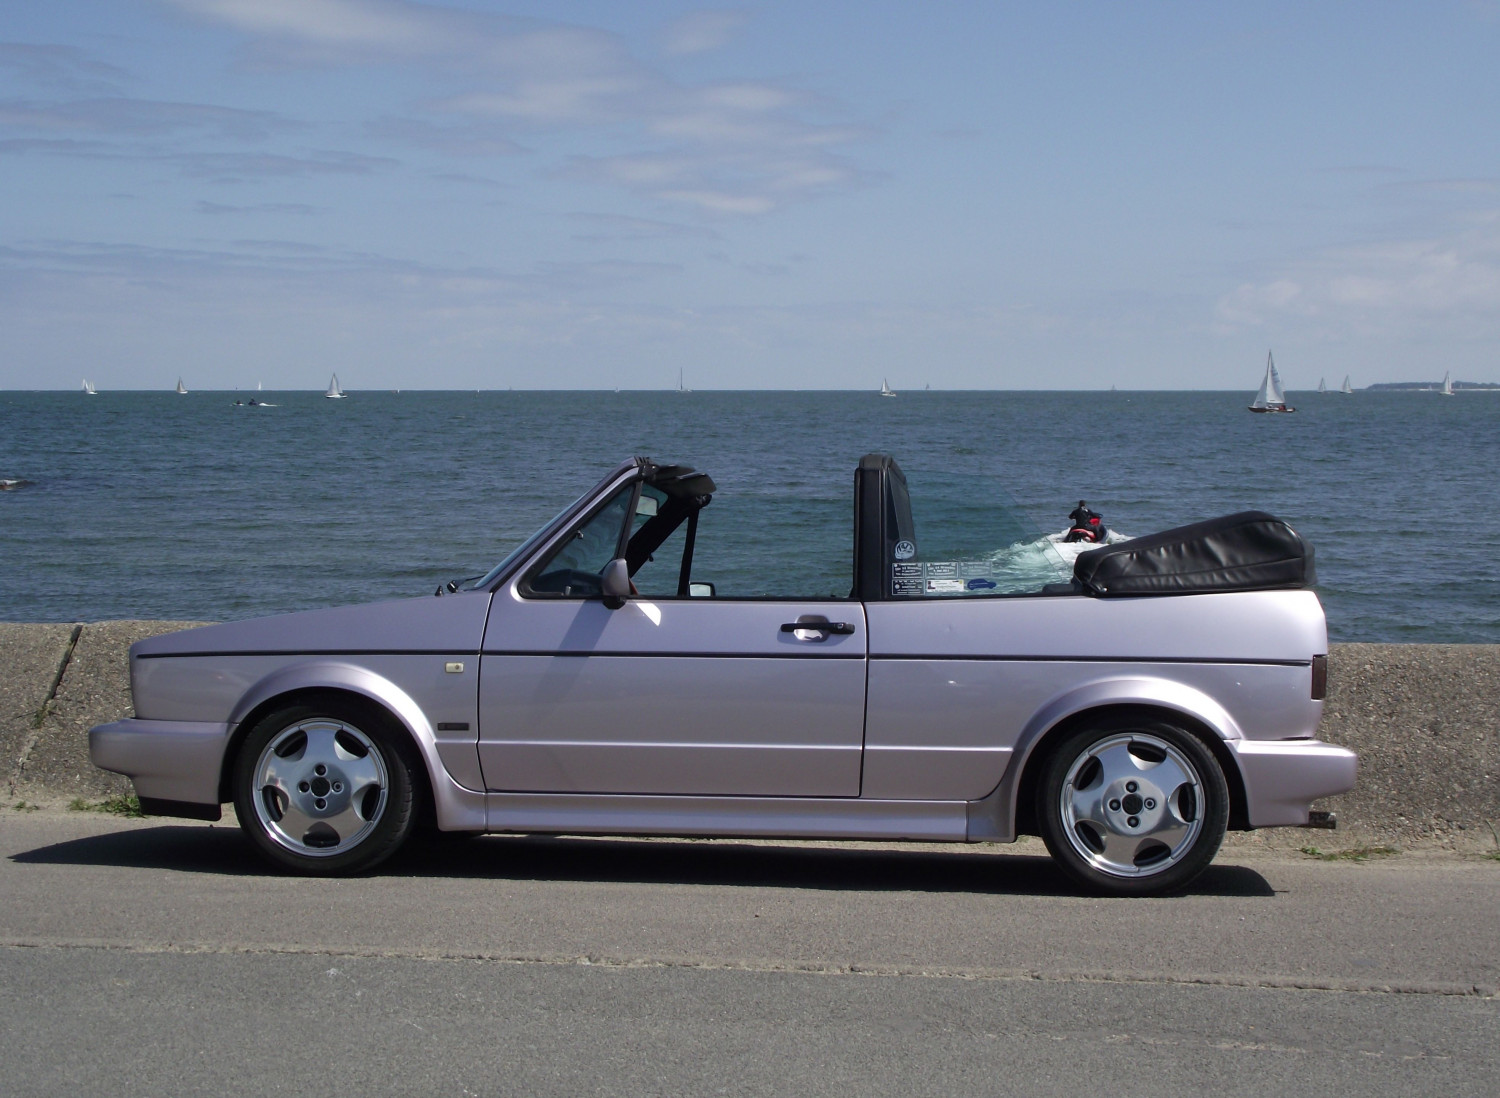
{"x":521,"y":554}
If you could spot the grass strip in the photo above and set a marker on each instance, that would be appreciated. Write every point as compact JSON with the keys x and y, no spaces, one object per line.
{"x":117,"y":805}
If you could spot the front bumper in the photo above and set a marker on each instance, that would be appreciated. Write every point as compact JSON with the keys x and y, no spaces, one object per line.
{"x":1283,"y":777}
{"x":167,"y":760}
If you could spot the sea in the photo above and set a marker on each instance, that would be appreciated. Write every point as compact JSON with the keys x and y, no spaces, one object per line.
{"x":205,"y":507}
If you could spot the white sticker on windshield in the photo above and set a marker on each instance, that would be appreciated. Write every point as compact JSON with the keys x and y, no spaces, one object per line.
{"x":944,"y":585}
{"x":905,"y":550}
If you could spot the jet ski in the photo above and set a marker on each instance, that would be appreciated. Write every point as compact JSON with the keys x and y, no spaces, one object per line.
{"x":1086,"y":525}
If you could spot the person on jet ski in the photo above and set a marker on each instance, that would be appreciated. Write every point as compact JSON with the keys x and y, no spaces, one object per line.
{"x":1086,"y":525}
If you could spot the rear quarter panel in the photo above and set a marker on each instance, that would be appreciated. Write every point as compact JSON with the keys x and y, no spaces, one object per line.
{"x":959,"y":690}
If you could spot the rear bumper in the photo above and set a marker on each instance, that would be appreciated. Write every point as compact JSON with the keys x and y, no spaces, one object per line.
{"x":1283,"y":777}
{"x":167,"y":760}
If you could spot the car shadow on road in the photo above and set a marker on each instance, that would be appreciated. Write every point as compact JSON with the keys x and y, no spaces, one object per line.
{"x":939,"y":868}
{"x":184,"y":848}
{"x":982,"y":870}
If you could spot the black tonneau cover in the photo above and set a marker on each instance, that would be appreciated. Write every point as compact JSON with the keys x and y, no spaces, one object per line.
{"x":1247,"y":551}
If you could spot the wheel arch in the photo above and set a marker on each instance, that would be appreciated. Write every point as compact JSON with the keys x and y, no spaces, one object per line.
{"x":1043,"y":741}
{"x":325,"y":684}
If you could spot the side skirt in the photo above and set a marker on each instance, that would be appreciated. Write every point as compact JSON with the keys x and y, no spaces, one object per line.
{"x":753,"y":817}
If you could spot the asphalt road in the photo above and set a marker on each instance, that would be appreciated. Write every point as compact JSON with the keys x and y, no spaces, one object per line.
{"x":149,"y":957}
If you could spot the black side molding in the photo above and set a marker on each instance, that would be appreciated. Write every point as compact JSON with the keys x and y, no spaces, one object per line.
{"x":187,"y":810}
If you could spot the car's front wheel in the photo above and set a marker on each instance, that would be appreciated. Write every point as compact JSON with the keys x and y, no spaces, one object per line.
{"x":325,"y":790}
{"x":1133,"y":806}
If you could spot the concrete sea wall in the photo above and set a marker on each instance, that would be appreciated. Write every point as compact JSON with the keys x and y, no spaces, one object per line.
{"x":1425,"y":720}
{"x":58,"y":682}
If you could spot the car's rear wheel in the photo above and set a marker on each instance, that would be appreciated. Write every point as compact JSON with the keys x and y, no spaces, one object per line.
{"x":1133,"y":806}
{"x":325,"y":790}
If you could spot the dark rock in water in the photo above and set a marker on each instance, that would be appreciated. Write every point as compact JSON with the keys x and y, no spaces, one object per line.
{"x":10,"y":484}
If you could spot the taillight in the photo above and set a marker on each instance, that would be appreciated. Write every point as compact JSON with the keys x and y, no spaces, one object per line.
{"x":1319,"y":678}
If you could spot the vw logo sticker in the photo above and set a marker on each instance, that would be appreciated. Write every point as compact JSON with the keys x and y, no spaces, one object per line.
{"x":905,"y":550}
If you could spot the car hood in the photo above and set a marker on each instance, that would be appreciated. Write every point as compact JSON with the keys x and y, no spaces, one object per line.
{"x":454,"y":623}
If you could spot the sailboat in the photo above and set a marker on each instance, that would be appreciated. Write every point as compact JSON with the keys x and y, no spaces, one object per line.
{"x":1270,"y":398}
{"x":1447,"y":389}
{"x":88,"y":387}
{"x":1346,"y":388}
{"x":181,"y":388}
{"x":1322,"y":386}
{"x":681,"y":388}
{"x":885,"y":388}
{"x":334,"y":392}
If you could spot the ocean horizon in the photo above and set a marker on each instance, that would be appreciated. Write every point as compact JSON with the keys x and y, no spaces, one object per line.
{"x":150,"y":504}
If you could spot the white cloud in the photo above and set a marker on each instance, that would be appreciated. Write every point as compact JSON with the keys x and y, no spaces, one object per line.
{"x":552,"y":99}
{"x":701,"y":31}
{"x":1394,"y":288}
{"x":730,"y":147}
{"x":721,"y":202}
{"x":390,"y":25}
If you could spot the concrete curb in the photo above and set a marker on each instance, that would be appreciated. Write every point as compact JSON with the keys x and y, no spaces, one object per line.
{"x":1425,"y":720}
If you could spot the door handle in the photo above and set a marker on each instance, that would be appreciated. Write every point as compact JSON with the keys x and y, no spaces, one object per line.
{"x":842,"y":628}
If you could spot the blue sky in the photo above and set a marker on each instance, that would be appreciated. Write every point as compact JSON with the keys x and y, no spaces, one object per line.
{"x":780,"y":195}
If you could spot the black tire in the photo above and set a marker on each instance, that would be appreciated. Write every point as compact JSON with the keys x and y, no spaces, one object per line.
{"x":1132,"y":806}
{"x":326,"y":790}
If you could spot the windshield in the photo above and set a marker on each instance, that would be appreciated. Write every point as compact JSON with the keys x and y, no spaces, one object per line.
{"x":524,"y":548}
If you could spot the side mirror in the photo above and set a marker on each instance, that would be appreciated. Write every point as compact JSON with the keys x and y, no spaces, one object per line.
{"x":698,"y":590}
{"x":615,"y":583}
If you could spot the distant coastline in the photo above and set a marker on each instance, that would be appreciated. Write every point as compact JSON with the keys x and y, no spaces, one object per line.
{"x":1423,"y":386}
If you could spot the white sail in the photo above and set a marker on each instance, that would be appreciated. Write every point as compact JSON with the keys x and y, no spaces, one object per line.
{"x":1322,"y":387}
{"x":88,"y":387}
{"x":1346,"y":388}
{"x":181,"y":388}
{"x":885,"y":388}
{"x":1274,"y":393}
{"x":1448,"y":383}
{"x":1269,"y":397}
{"x":334,"y":392}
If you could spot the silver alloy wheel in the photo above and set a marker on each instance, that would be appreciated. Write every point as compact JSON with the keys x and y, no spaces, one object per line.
{"x":320,"y":787}
{"x":1132,"y":805}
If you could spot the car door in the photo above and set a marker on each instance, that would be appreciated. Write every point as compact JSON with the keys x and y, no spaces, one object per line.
{"x":666,"y":694}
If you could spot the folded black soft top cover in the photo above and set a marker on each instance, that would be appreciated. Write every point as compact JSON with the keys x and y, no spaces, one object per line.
{"x":1247,"y":551}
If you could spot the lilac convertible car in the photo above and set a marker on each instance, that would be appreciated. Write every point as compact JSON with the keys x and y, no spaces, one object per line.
{"x":1128,"y":706}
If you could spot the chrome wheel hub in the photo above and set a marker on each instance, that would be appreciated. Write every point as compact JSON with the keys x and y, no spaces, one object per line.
{"x":1132,"y":805}
{"x":320,"y":787}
